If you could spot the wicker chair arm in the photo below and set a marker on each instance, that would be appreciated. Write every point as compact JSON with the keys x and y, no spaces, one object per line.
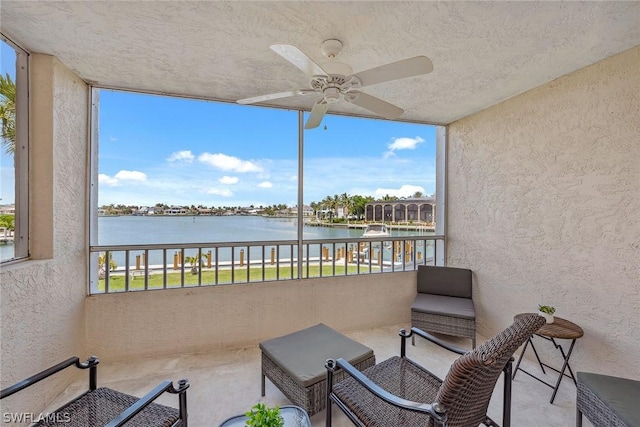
{"x":437,"y":341}
{"x":435,"y":410}
{"x":89,"y":363}
{"x":146,"y":400}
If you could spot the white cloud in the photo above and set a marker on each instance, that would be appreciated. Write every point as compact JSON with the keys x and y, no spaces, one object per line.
{"x":220,"y":192}
{"x":113,"y":139}
{"x":265,"y":184}
{"x":124,"y":175}
{"x":107,"y":180}
{"x":403,"y":191}
{"x":229,"y":163}
{"x":228,"y":180}
{"x":403,"y":143}
{"x":185,"y":156}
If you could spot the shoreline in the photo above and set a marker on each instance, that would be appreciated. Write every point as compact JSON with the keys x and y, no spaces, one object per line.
{"x":391,"y":226}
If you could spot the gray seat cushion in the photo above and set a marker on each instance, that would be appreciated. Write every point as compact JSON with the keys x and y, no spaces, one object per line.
{"x":445,"y":306}
{"x":450,"y":281}
{"x":619,"y":394}
{"x":302,"y":354}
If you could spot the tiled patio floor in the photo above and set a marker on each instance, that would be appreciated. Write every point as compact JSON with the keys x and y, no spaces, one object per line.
{"x":228,"y":383}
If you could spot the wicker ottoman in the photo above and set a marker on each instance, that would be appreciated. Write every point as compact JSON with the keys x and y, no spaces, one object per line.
{"x":607,"y":401}
{"x":295,"y":363}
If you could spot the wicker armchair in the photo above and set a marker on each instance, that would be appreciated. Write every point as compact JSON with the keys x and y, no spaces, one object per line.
{"x":444,"y":302}
{"x":389,"y":393}
{"x":106,"y":407}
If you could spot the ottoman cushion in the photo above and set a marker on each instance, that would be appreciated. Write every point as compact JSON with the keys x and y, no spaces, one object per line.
{"x":444,"y":306}
{"x":302,"y":354}
{"x":619,"y":394}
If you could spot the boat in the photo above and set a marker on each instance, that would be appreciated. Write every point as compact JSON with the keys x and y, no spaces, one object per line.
{"x":376,"y":230}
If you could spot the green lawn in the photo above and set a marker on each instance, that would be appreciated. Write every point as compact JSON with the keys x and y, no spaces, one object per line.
{"x":156,"y":280}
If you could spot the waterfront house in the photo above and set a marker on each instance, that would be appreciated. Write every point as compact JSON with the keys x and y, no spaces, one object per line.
{"x":176,"y":210}
{"x":538,"y":176}
{"x":402,"y":210}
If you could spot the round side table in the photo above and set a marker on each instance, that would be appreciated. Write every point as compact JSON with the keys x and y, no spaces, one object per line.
{"x":559,"y":329}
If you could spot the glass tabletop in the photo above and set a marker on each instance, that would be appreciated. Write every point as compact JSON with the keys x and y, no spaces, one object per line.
{"x":294,"y":416}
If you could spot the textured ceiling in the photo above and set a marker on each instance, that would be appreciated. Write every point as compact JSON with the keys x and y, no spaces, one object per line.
{"x":483,"y":52}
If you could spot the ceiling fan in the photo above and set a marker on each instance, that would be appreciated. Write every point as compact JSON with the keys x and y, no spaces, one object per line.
{"x":335,"y":81}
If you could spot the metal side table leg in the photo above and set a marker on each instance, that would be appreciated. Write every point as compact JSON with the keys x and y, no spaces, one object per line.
{"x":564,"y":367}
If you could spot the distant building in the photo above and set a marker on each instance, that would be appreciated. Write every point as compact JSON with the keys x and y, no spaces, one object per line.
{"x":144,"y":211}
{"x":306,"y":210}
{"x":404,"y":210}
{"x":7,"y":209}
{"x":175,"y":210}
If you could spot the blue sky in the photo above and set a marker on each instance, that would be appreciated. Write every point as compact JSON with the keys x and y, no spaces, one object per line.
{"x":156,"y":149}
{"x":181,"y":151}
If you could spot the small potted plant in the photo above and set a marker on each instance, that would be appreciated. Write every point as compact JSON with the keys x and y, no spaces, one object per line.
{"x":546,"y":311}
{"x":261,"y":415}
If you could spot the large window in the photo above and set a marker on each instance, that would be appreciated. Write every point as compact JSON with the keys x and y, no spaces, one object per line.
{"x":186,"y":190}
{"x":214,"y":168}
{"x":352,"y":165}
{"x":14,"y":216}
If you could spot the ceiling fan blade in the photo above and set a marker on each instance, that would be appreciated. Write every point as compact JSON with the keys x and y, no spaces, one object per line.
{"x":375,"y":105}
{"x":317,"y":113}
{"x":298,"y":58}
{"x":273,"y":96}
{"x":395,"y":70}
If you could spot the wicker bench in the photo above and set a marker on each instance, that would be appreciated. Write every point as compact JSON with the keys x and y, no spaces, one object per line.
{"x":295,"y":363}
{"x":607,"y":401}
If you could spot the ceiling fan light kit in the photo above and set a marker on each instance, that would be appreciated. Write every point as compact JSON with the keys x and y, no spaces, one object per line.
{"x":335,"y":81}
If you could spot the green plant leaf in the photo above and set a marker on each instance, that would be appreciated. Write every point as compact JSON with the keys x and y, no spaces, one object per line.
{"x":261,"y":415}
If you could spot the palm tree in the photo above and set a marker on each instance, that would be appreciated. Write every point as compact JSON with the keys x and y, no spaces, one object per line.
{"x":315,"y":207}
{"x":347,"y":204}
{"x":195,"y":261}
{"x":359,"y":204}
{"x":326,"y":205}
{"x":8,"y":222}
{"x":102,"y":260}
{"x":8,"y":113}
{"x":388,"y":198}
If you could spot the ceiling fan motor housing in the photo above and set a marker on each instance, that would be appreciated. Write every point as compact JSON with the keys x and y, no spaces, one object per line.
{"x":331,"y":95}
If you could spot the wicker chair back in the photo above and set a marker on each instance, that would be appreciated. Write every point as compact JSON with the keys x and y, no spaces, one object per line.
{"x":467,"y":388}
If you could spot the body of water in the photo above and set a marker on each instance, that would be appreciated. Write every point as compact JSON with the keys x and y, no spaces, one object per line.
{"x":6,"y":251}
{"x":132,"y":230}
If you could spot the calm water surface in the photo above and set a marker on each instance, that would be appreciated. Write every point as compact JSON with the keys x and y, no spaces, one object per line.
{"x":131,"y":230}
{"x":134,"y":230}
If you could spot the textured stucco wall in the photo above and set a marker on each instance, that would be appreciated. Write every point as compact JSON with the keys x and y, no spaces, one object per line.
{"x":169,"y":322}
{"x":544,"y":207}
{"x":42,"y":306}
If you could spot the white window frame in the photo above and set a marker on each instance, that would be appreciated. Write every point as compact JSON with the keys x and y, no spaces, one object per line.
{"x":21,"y":154}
